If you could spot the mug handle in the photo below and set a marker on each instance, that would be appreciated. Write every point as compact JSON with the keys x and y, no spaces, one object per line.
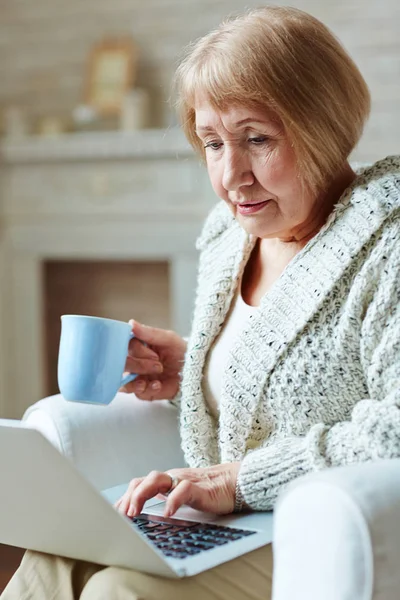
{"x":131,"y":376}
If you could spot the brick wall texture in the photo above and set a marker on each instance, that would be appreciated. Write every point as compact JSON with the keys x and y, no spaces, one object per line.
{"x":44,"y":47}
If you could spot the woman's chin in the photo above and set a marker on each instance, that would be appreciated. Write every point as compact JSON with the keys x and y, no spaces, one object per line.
{"x":255,"y":227}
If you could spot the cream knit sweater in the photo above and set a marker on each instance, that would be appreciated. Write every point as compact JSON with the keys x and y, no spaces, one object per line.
{"x":313,"y":380}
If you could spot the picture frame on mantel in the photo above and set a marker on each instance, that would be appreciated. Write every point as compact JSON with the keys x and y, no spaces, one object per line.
{"x":111,"y":74}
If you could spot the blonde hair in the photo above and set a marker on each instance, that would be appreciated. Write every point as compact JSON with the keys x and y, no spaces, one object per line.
{"x":281,"y":59}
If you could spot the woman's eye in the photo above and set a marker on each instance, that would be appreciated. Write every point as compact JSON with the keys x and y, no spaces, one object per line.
{"x":213,"y":145}
{"x":258,"y":140}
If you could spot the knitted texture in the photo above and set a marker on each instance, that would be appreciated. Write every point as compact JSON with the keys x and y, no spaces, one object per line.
{"x":313,"y":379}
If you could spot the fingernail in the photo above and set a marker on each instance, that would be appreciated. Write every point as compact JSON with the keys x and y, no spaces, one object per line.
{"x":155,"y":385}
{"x":157,"y":368}
{"x":131,"y":510}
{"x":167,"y":512}
{"x":140,"y":387}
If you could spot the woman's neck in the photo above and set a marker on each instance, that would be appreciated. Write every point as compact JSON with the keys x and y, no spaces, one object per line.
{"x":323,"y":207}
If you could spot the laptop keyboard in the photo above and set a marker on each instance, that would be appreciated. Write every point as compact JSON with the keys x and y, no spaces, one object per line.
{"x":180,"y":539}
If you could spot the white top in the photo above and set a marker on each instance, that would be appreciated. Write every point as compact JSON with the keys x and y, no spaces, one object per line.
{"x":215,"y":366}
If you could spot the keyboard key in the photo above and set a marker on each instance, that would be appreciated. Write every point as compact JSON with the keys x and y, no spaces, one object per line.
{"x":217,"y":541}
{"x":203,"y":545}
{"x":154,"y":535}
{"x":163,"y":545}
{"x":162,"y":527}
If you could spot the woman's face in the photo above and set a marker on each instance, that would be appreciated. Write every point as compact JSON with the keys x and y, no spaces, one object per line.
{"x":252,"y":167}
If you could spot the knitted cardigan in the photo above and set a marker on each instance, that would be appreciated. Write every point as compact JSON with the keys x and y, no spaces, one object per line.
{"x":313,"y":379}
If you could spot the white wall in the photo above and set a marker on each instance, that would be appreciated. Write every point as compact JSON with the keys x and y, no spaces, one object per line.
{"x":44,"y":46}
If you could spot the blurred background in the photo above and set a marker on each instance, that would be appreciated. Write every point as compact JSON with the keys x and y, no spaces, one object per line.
{"x":101,"y":198}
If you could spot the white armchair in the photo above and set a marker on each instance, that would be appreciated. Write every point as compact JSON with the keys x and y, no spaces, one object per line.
{"x":111,"y":444}
{"x":336,"y":533}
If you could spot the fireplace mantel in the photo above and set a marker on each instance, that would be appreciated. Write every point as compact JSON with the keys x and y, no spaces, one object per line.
{"x":97,"y":145}
{"x":91,"y":196}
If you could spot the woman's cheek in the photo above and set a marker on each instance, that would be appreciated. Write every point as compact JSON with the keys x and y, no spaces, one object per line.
{"x":216,"y":182}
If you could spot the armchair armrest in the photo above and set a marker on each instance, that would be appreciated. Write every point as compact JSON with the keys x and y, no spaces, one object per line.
{"x":111,"y":444}
{"x":337,"y":535}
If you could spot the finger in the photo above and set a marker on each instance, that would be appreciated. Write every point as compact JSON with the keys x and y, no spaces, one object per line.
{"x":137,"y":386}
{"x":137,"y":349}
{"x":185,"y":492}
{"x":125,"y":498}
{"x":122,"y":502}
{"x":125,"y":501}
{"x":144,"y":389}
{"x":150,"y":335}
{"x":143,"y":366}
{"x":155,"y":483}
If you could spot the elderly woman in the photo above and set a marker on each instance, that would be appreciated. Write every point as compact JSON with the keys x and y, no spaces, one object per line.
{"x":293,"y":362}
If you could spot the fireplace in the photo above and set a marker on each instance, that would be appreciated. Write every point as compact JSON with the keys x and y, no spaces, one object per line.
{"x":100,"y":223}
{"x":113,"y":289}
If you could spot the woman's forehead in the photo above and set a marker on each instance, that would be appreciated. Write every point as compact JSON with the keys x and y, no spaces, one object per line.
{"x":208,"y":116}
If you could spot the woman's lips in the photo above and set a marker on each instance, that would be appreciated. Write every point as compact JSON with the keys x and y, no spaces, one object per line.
{"x":249,"y":209}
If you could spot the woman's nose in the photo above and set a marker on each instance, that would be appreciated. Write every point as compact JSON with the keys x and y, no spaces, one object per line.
{"x":237,"y":170}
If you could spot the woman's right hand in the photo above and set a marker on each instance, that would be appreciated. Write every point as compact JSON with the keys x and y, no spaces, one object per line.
{"x":158,"y":362}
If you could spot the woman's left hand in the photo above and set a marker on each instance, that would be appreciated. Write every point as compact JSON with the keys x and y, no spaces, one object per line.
{"x":209,"y":489}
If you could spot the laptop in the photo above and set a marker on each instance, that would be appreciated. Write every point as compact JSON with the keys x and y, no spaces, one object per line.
{"x":47,"y":505}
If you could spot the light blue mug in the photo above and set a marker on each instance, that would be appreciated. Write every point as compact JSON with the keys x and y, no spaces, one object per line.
{"x":91,"y":358}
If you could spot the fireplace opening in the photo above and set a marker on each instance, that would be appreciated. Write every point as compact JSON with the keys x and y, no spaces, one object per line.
{"x":113,"y":289}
